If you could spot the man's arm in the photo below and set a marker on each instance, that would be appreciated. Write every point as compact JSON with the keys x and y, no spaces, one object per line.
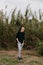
{"x":17,"y":37}
{"x":17,"y":40}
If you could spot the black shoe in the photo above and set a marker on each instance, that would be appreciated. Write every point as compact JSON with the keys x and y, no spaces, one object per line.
{"x":20,"y":58}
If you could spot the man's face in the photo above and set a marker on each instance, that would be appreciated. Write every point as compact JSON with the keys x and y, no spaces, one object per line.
{"x":22,"y":29}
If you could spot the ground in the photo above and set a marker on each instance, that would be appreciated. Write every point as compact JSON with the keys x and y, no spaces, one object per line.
{"x":10,"y":58}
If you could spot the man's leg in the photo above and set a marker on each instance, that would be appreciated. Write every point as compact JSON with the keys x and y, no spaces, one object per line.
{"x":19,"y":49}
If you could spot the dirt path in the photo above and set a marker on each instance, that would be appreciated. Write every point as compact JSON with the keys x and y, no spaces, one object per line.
{"x":28,"y":59}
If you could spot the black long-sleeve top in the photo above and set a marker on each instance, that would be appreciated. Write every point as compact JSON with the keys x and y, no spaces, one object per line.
{"x":21,"y":36}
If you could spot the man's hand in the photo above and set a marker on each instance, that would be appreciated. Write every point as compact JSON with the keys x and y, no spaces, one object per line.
{"x":23,"y":44}
{"x":17,"y":39}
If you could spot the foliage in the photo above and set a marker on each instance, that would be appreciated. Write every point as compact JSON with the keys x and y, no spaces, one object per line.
{"x":33,"y":29}
{"x":40,"y":48}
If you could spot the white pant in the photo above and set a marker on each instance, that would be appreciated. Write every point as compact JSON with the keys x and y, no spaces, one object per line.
{"x":20,"y":46}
